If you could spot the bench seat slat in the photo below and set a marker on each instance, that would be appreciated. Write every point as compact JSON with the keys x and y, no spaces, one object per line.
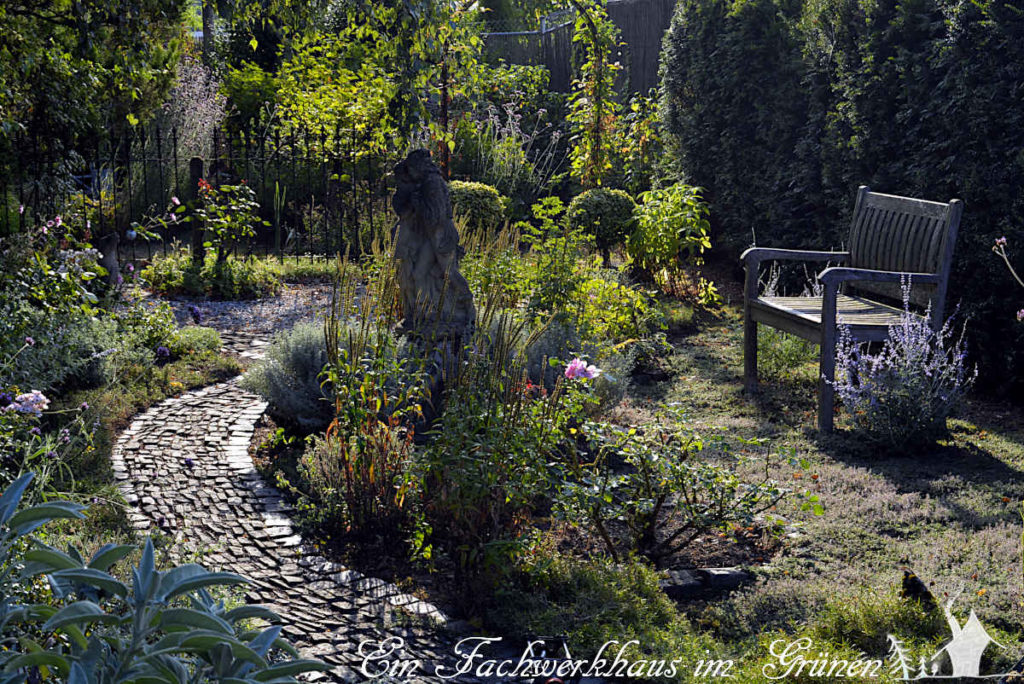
{"x":852,"y":311}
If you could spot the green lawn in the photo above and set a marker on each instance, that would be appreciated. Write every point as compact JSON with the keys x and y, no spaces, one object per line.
{"x":951,"y":514}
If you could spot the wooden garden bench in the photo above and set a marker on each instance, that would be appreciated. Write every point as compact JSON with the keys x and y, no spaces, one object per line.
{"x":891,"y":238}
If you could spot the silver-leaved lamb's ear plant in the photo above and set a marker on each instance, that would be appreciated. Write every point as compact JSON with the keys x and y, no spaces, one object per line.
{"x":96,"y":629}
{"x":900,"y":396}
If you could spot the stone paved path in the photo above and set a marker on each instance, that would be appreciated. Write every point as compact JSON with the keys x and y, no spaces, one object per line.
{"x":184,"y":467}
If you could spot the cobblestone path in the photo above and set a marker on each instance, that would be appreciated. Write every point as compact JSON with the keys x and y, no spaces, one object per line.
{"x":184,"y":467}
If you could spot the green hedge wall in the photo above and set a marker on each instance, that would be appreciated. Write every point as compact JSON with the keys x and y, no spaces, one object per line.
{"x":781,"y":108}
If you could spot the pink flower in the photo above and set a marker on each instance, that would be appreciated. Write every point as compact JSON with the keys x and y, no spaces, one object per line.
{"x":21,"y":208}
{"x":57,"y":221}
{"x":175,"y":201}
{"x":30,"y":342}
{"x":1001,"y":242}
{"x":578,"y":368}
{"x":1020,"y":315}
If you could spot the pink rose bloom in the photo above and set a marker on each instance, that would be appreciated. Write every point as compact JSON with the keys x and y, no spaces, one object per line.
{"x":578,"y":368}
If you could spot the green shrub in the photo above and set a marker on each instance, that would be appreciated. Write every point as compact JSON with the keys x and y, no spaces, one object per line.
{"x":614,"y":313}
{"x":605,"y":214}
{"x":480,"y":205}
{"x":146,"y":324}
{"x":289,"y":378}
{"x":629,"y":509}
{"x":590,"y":601}
{"x":250,"y":90}
{"x":495,"y":269}
{"x":490,"y":454}
{"x":518,"y":145}
{"x":194,"y":339}
{"x":308,"y":269}
{"x":164,"y":627}
{"x":233,"y":278}
{"x":671,"y":232}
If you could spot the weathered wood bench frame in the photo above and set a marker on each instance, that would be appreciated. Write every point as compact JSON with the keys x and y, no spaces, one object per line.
{"x":891,"y":239}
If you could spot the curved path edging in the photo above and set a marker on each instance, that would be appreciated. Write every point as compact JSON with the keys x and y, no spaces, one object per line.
{"x":184,"y":467}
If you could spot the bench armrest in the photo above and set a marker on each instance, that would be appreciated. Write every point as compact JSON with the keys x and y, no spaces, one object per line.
{"x":753,"y":257}
{"x":756,"y":255}
{"x":840,"y":274}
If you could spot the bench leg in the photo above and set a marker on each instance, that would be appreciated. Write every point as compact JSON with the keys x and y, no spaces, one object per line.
{"x":826,"y":392}
{"x":749,"y":353}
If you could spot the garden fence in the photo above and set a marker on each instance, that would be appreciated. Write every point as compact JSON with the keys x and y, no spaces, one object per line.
{"x":322,"y":191}
{"x":641,"y":23}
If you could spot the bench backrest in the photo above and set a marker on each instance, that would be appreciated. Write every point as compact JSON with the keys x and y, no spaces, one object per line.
{"x":891,"y":233}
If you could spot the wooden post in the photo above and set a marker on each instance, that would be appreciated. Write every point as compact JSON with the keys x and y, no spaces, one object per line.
{"x":750,"y":328}
{"x":827,"y":374}
{"x":195,"y":174}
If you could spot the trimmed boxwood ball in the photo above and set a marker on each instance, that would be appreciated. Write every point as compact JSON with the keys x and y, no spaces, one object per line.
{"x":606,"y":214}
{"x":481,"y":205}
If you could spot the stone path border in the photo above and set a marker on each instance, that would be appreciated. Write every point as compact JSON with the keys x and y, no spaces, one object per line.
{"x":184,"y":467}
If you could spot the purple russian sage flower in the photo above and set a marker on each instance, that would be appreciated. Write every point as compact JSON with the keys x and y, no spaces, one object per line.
{"x":902,"y":393}
{"x":36,"y":431}
{"x":196,"y":313}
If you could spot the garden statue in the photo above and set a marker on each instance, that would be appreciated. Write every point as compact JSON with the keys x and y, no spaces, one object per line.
{"x":436,"y":300}
{"x":107,"y":247}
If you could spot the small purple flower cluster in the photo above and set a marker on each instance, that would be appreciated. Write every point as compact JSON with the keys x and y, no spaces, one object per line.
{"x":33,"y":402}
{"x":902,"y":394}
{"x":163,"y":352}
{"x":196,"y":313}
